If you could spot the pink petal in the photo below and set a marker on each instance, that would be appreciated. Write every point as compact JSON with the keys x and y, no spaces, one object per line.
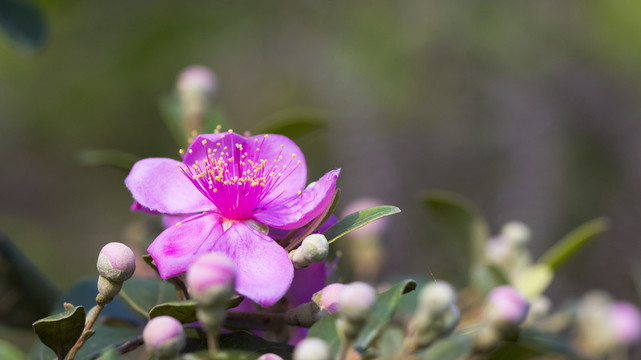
{"x":263,"y":269}
{"x":158,"y":184}
{"x":179,"y":245}
{"x":303,"y":208}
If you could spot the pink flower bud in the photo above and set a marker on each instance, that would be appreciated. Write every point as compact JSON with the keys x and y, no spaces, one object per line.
{"x":270,"y":356}
{"x":506,"y":307}
{"x":164,"y":337}
{"x":328,"y":298}
{"x":625,"y":321}
{"x":312,"y":349}
{"x":116,"y":262}
{"x":212,"y":274}
{"x":196,"y":78}
{"x":357,"y":300}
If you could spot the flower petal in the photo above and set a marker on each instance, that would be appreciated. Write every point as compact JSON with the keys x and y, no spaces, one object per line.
{"x":263,"y":269}
{"x":301,"y":209}
{"x":158,"y":185}
{"x":179,"y":245}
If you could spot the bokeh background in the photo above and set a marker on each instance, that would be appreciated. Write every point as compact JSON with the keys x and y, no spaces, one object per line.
{"x":530,"y":109}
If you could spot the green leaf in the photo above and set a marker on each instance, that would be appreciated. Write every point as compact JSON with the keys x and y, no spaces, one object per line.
{"x":221,"y":355}
{"x":61,"y":331}
{"x":453,"y":347}
{"x":332,"y":207}
{"x":241,"y":340}
{"x":386,"y":304}
{"x":357,"y":220}
{"x":24,"y":23}
{"x":111,"y":354}
{"x":28,"y":294}
{"x":107,"y":157}
{"x":142,"y":294}
{"x":293,"y":123}
{"x":573,"y":242}
{"x":463,"y":228}
{"x":183,"y":311}
{"x":533,"y":281}
{"x":150,"y":261}
{"x":390,"y":342}
{"x":10,"y":352}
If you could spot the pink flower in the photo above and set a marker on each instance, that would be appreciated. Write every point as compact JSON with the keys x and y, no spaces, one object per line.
{"x":232,"y":188}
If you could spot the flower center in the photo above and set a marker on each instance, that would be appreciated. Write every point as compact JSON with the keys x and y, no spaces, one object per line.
{"x":236,"y":178}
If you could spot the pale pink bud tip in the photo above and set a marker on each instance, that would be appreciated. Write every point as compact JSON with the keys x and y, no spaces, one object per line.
{"x":116,"y":262}
{"x":164,"y":336}
{"x":506,"y":305}
{"x":437,"y":297}
{"x":626,"y":321}
{"x":357,"y":300}
{"x":196,"y":78}
{"x":211,"y":270}
{"x":270,"y":356}
{"x":311,"y":349}
{"x":330,"y":297}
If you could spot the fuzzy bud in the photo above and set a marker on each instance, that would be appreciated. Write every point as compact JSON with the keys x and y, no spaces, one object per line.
{"x":164,"y":337}
{"x":437,"y":297}
{"x":355,"y":305}
{"x":516,"y":232}
{"x":625,"y":321}
{"x":196,"y":79}
{"x":116,"y":262}
{"x":270,"y":356}
{"x":506,"y":308}
{"x":311,"y":349}
{"x":211,"y":279}
{"x":313,"y":249}
{"x":328,"y":299}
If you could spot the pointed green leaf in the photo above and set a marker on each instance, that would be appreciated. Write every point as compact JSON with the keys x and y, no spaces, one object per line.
{"x":150,"y":261}
{"x":61,"y":331}
{"x":386,"y":304}
{"x":573,"y":242}
{"x":10,"y":352}
{"x":24,"y":23}
{"x":28,"y":294}
{"x":533,"y":281}
{"x":183,"y":311}
{"x":293,"y":123}
{"x":453,"y":347}
{"x":534,"y":344}
{"x":357,"y":220}
{"x":463,"y":228}
{"x":142,"y":294}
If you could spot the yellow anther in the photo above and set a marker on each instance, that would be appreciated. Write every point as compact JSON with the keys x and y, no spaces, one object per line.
{"x":298,"y":162}
{"x":181,"y":151}
{"x":257,"y":149}
{"x":230,"y":131}
{"x":255,"y":139}
{"x":194,"y":133}
{"x":282,"y":146}
{"x":218,"y":127}
{"x":299,"y":192}
{"x":266,"y":135}
{"x":191,"y":151}
{"x":204,"y":141}
{"x":178,"y":223}
{"x":293,"y":156}
{"x":215,"y":190}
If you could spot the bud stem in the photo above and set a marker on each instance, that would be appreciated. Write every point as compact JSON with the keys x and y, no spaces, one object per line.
{"x":85,"y":333}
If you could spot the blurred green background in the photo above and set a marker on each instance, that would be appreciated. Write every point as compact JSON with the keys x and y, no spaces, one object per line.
{"x":530,"y":109}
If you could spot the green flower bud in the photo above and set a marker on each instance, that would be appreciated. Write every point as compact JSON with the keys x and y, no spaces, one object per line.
{"x":312,"y":250}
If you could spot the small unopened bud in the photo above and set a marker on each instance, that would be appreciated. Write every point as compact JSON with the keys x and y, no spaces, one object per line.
{"x":625,"y":321}
{"x":506,"y":308}
{"x":196,"y":78}
{"x":328,"y":299}
{"x":312,"y":349}
{"x":116,"y":263}
{"x":211,"y":279}
{"x":269,"y":356}
{"x":312,"y":250}
{"x":516,"y":232}
{"x":355,"y":305}
{"x":437,"y":297}
{"x":164,"y":337}
{"x":323,"y":303}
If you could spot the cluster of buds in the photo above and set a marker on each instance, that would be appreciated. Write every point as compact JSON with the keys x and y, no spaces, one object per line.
{"x":355,"y":305}
{"x":211,"y":279}
{"x":116,"y":263}
{"x":313,"y":249}
{"x":436,"y":316}
{"x":164,"y":337}
{"x":505,"y":309}
{"x":324,"y":302}
{"x":603,"y":325}
{"x":509,"y":250}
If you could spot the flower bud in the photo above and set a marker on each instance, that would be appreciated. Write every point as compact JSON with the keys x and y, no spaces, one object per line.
{"x":116,"y":262}
{"x":313,"y":249}
{"x":311,"y":349}
{"x":516,"y":232}
{"x":211,"y":279}
{"x":437,"y":297}
{"x":323,"y":303}
{"x":196,"y":79}
{"x":506,"y":308}
{"x":328,"y":298}
{"x":164,"y":337}
{"x":355,"y":305}
{"x":270,"y":356}
{"x":625,"y":321}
